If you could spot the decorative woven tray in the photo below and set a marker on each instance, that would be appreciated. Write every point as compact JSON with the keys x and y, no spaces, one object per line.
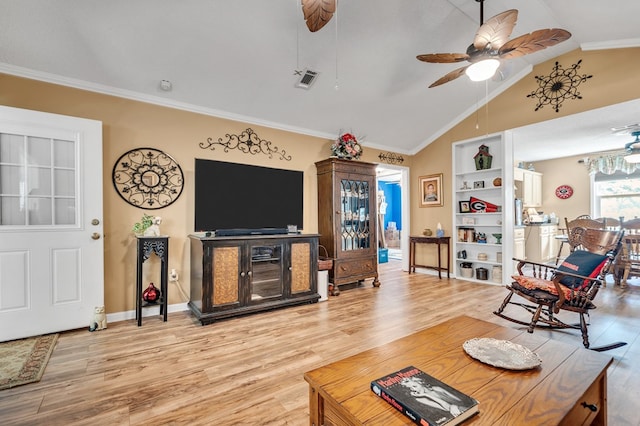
{"x":502,"y":353}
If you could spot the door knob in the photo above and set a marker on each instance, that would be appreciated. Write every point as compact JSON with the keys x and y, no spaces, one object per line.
{"x":95,"y":236}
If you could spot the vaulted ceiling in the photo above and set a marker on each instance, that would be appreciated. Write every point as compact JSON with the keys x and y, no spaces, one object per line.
{"x":238,"y":58}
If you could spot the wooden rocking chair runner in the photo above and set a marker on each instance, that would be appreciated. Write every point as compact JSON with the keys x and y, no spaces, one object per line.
{"x":570,"y":287}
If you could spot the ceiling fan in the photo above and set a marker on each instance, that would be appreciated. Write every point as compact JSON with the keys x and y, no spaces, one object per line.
{"x":317,"y":13}
{"x":633,"y":149}
{"x":491,"y":44}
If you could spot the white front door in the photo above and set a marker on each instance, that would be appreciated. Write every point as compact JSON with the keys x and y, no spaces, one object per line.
{"x":51,"y":248}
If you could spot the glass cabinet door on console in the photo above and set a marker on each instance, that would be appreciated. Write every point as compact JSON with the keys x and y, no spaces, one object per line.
{"x":347,"y":219}
{"x":266,"y":272}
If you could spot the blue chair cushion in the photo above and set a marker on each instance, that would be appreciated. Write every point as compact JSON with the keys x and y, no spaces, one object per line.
{"x":583,"y":263}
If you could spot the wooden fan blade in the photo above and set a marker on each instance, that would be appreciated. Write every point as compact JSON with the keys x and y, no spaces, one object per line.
{"x":529,"y":43}
{"x":443,"y":58}
{"x":449,"y":77}
{"x":496,"y":31}
{"x":317,"y":13}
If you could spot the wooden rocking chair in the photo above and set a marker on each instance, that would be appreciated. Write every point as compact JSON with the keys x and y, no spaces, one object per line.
{"x":571,"y":287}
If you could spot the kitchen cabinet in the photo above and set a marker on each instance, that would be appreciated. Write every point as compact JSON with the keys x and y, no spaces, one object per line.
{"x":529,"y":187}
{"x":519,"y":243}
{"x":541,"y":242}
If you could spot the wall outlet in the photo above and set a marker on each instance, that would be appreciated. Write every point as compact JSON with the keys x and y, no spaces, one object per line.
{"x":173,"y":275}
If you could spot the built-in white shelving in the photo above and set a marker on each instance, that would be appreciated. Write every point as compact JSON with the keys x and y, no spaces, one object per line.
{"x":482,"y":236}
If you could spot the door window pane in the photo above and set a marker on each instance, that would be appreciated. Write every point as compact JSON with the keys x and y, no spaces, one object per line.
{"x":38,"y":181}
{"x":64,"y":183}
{"x":11,"y":148}
{"x":11,"y":180}
{"x":40,"y":211}
{"x":39,"y":151}
{"x":64,"y":154}
{"x":12,"y":211}
{"x":65,"y":211}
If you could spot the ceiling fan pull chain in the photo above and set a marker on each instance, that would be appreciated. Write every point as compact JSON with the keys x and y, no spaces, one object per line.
{"x":336,"y":16}
{"x":297,"y":39}
{"x":486,"y":106}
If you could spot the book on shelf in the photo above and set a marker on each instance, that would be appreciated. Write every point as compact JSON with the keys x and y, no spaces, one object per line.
{"x":423,"y":398}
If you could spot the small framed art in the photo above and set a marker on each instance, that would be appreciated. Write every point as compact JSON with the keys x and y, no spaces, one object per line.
{"x":431,"y":190}
{"x":465,"y":207}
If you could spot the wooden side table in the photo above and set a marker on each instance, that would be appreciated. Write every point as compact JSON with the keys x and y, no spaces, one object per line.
{"x":145,"y":247}
{"x":439,"y":241}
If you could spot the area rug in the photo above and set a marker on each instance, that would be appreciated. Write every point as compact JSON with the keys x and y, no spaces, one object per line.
{"x":23,"y":361}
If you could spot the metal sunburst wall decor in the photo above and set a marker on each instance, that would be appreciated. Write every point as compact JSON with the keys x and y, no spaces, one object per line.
{"x":148,"y":178}
{"x":559,"y":85}
{"x":247,"y":142}
{"x":391,"y":158}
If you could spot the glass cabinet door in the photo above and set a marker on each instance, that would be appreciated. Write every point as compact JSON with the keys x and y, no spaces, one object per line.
{"x":266,"y":271}
{"x":354,"y":224}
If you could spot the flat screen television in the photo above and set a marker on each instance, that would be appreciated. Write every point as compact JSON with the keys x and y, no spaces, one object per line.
{"x":242,"y":196}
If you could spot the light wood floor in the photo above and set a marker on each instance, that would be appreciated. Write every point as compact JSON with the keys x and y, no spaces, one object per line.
{"x":249,"y":371}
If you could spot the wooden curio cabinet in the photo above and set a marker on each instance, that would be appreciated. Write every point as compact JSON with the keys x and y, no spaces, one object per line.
{"x":347,"y":219}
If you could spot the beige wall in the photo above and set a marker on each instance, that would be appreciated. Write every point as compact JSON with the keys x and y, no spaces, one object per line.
{"x":128,"y":124}
{"x":564,"y":171}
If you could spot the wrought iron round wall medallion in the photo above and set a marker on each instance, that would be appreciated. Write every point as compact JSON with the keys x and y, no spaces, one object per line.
{"x":148,"y":178}
{"x":564,"y":192}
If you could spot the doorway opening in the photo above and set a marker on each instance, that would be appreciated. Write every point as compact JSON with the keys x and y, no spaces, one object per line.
{"x":393,"y":212}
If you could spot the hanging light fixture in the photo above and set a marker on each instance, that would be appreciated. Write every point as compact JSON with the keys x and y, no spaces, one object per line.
{"x":482,"y":70}
{"x":633,"y":149}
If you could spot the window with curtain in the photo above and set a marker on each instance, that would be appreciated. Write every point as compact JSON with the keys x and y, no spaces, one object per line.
{"x":617,"y":194}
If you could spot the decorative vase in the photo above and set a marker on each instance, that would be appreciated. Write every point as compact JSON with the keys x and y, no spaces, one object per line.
{"x":151,"y":294}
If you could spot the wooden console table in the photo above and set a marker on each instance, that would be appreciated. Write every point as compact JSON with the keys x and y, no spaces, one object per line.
{"x":245,"y":274}
{"x":569,"y":388}
{"x":439,"y":241}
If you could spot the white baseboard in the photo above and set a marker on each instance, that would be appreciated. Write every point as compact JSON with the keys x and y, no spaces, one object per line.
{"x":147,"y":311}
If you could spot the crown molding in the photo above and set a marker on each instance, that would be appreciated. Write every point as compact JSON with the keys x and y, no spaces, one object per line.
{"x":611,"y":44}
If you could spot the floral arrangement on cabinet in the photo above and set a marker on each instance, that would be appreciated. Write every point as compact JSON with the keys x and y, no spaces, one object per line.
{"x":346,"y":146}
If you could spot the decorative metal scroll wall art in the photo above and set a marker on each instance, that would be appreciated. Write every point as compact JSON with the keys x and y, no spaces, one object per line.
{"x":148,"y":178}
{"x":247,"y":142}
{"x":559,"y":85}
{"x":391,"y":158}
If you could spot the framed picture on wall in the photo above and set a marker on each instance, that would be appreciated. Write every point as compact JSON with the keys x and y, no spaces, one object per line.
{"x":431,"y":190}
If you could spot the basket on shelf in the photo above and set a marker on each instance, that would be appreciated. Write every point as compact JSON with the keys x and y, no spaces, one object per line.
{"x":324,"y":262}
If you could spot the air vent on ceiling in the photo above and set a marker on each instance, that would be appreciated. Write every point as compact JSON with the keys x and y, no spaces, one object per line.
{"x":307,"y":79}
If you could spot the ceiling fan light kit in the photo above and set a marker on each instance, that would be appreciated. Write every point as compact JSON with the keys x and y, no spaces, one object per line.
{"x":633,"y":149}
{"x":482,"y":70}
{"x":491,"y":42}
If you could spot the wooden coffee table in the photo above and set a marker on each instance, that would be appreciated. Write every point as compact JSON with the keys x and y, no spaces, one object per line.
{"x":569,"y":388}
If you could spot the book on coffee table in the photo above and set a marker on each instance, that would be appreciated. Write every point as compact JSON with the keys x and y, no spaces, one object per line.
{"x":423,"y":398}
